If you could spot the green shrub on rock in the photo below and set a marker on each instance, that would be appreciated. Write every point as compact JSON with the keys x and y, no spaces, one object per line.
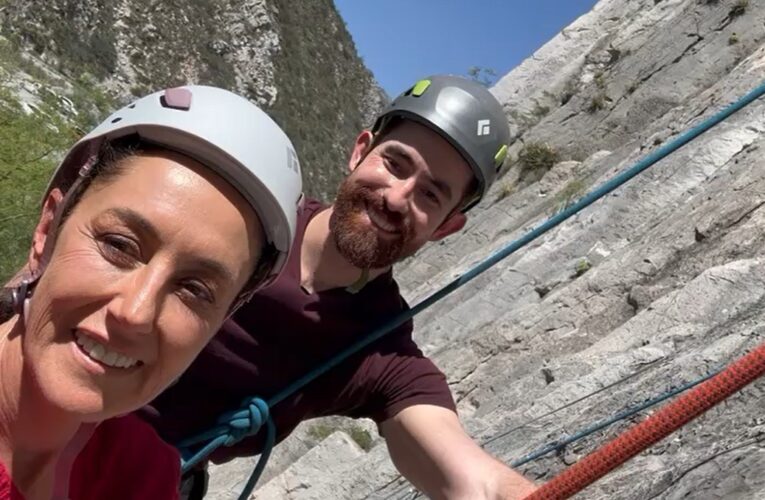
{"x":537,"y":157}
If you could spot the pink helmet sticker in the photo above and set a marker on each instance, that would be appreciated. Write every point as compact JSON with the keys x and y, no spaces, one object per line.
{"x":177,"y":98}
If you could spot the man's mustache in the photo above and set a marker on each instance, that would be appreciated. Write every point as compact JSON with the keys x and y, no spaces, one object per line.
{"x":368,"y":200}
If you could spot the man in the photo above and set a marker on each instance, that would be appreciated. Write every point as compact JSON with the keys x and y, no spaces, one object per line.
{"x":430,"y":156}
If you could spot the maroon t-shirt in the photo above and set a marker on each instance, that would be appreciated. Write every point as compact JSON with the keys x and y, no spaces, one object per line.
{"x":282,"y":334}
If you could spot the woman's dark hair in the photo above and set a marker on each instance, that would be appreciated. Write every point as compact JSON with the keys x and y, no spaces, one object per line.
{"x":263,"y":268}
{"x":111,"y":163}
{"x":6,"y":304}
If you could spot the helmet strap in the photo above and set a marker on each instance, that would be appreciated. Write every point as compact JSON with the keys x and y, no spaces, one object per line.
{"x":76,"y":187}
{"x":21,"y":295}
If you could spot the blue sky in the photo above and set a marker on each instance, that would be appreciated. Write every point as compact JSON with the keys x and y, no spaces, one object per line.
{"x":404,"y":40}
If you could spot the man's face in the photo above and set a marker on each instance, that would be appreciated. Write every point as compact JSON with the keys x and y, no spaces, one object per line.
{"x":400,"y":195}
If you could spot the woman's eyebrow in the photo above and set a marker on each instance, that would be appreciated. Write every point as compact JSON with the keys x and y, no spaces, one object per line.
{"x":133,"y":218}
{"x":215,"y":268}
{"x":140,"y":223}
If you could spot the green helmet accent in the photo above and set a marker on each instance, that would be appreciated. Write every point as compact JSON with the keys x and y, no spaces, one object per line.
{"x":464,"y":113}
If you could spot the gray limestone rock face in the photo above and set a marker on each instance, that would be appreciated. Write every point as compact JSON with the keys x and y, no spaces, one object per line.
{"x":543,"y":346}
{"x":306,"y":478}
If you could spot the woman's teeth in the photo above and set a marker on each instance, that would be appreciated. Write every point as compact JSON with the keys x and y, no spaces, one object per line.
{"x":100,"y":353}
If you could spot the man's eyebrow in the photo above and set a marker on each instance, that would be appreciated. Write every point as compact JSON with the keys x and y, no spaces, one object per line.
{"x":400,"y":152}
{"x":133,"y":218}
{"x":403,"y":154}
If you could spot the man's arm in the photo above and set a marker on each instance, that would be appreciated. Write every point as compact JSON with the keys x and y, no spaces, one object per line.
{"x":430,"y":448}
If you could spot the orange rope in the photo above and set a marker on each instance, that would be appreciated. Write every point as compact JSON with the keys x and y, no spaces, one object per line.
{"x":655,"y":428}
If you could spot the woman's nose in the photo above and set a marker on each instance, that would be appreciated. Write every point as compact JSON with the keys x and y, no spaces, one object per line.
{"x":136,"y":306}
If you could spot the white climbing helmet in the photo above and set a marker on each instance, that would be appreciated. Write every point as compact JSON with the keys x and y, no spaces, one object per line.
{"x":224,"y":132}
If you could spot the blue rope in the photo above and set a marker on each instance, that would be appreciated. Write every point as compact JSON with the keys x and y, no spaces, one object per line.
{"x":524,"y":240}
{"x":233,"y":427}
{"x":225,"y":433}
{"x":562,"y":443}
{"x":496,"y":437}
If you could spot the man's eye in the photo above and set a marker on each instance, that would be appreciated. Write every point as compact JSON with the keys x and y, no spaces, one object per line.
{"x":392,"y":165}
{"x":432,"y":197}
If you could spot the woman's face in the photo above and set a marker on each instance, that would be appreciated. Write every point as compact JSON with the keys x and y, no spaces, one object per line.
{"x":143,"y":273}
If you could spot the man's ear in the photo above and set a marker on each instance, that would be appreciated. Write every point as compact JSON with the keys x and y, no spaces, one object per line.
{"x":361,"y":147}
{"x":451,"y":225}
{"x":44,"y":232}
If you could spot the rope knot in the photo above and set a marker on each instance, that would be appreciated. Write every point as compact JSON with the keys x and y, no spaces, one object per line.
{"x":246,"y":421}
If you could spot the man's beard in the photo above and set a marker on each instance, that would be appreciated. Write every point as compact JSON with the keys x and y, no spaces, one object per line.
{"x":359,"y":244}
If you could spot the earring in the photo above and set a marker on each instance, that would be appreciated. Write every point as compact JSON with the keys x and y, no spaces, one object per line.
{"x":20,"y":295}
{"x":25,"y":312}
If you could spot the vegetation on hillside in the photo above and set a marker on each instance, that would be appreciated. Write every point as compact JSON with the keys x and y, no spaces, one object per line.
{"x":322,"y":89}
{"x":33,"y":137}
{"x":313,"y":100}
{"x":324,"y":94}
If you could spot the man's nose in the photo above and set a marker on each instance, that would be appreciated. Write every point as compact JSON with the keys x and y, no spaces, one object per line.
{"x":398,"y":195}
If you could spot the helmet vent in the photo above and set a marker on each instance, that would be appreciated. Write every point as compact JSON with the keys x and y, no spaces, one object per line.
{"x":176,"y":98}
{"x":117,"y":119}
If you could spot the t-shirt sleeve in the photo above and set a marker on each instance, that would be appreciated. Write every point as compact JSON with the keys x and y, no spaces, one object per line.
{"x":398,"y":375}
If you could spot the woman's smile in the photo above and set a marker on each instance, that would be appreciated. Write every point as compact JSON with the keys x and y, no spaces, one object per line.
{"x":100,"y":358}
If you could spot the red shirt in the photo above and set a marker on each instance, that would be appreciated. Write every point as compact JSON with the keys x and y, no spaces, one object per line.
{"x":7,"y":490}
{"x":124,"y":459}
{"x":283,"y":333}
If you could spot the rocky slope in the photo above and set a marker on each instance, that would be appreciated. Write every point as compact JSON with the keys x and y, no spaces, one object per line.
{"x":305,"y":73}
{"x":649,"y":288}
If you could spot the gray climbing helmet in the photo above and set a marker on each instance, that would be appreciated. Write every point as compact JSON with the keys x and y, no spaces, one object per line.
{"x":223,"y":131}
{"x":464,"y":113}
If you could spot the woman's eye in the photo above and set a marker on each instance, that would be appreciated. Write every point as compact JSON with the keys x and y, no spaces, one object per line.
{"x":198,"y":291}
{"x":119,"y":248}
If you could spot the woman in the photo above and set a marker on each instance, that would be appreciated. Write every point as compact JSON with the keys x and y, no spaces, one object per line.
{"x":154,"y":228}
